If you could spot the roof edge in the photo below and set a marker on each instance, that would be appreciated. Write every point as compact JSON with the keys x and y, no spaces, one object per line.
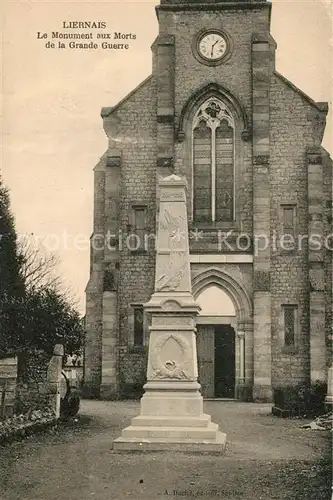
{"x":321,"y":106}
{"x":107,"y":111}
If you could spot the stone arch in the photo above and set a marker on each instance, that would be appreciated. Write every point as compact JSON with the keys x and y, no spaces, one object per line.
{"x":236,"y":292}
{"x":204,"y":93}
{"x":229,"y":209}
{"x":214,"y":301}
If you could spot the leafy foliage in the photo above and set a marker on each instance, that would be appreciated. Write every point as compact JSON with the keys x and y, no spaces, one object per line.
{"x":11,"y":283}
{"x":10,"y":279}
{"x":35,"y":314}
{"x":48,"y":319}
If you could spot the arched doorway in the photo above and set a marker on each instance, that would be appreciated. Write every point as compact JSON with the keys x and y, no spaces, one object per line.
{"x":224,"y":335}
{"x":216,"y":343}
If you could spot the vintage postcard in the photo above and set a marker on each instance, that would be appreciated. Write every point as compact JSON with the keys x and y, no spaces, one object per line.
{"x":166,"y":249}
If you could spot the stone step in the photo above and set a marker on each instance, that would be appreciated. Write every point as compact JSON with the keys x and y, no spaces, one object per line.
{"x":171,"y":433}
{"x":184,"y":445}
{"x":164,"y":421}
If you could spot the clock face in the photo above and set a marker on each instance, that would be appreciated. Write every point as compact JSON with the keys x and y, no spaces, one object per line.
{"x":212,"y":46}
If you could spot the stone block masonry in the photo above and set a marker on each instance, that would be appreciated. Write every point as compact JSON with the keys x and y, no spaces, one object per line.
{"x":279,"y":167}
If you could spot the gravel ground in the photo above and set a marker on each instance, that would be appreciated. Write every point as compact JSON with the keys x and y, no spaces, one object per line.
{"x":266,"y":458}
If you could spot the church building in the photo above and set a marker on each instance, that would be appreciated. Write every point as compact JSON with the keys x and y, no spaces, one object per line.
{"x":259,"y":206}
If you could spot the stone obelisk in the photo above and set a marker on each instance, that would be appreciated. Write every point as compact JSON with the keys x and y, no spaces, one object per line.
{"x":171,"y":416}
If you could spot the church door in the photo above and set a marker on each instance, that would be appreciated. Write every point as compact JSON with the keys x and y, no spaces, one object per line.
{"x":206,"y":349}
{"x":224,"y":373}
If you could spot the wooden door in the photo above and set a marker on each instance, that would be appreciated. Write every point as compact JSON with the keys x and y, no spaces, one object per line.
{"x":205,"y":349}
{"x":224,"y":381}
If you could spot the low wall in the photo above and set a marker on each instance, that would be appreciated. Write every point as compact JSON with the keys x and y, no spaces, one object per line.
{"x":40,"y":386}
{"x":8,"y":379}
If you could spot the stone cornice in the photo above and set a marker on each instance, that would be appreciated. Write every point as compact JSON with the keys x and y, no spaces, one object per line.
{"x":176,"y":5}
{"x":165,"y":115}
{"x":265,"y":37}
{"x":206,"y":2}
{"x":314,"y":156}
{"x":212,"y":5}
{"x":113,"y":158}
{"x":113,"y":161}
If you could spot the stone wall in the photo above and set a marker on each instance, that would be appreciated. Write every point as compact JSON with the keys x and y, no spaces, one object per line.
{"x":234,"y":75}
{"x":291,"y":134}
{"x":133,"y":373}
{"x":32,"y":392}
{"x":131,"y":129}
{"x":8,"y":377}
{"x":328,"y":232}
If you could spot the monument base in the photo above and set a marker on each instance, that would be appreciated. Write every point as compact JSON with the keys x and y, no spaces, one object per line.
{"x":183,"y":446}
{"x":172,"y":420}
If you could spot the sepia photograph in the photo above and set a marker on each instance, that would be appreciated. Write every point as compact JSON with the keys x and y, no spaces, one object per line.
{"x":166,"y":249}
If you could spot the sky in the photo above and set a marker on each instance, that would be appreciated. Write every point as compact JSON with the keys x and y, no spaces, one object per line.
{"x":52,"y":134}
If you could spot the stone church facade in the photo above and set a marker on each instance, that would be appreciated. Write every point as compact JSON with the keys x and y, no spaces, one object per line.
{"x":259,"y":203}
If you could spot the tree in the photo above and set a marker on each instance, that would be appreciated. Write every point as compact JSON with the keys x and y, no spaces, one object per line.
{"x":49,"y":319}
{"x":48,"y":315}
{"x":37,"y":267}
{"x":48,"y":312}
{"x":10,"y":279}
{"x":36,"y":312}
{"x":12,"y":287}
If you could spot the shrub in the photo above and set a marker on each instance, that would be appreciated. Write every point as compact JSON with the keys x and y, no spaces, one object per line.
{"x":301,"y":399}
{"x":317,"y":396}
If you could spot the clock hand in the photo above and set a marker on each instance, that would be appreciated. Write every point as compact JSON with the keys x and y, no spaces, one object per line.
{"x":213,"y":48}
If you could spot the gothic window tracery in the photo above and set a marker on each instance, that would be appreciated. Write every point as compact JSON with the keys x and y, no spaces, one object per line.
{"x":213,"y":141}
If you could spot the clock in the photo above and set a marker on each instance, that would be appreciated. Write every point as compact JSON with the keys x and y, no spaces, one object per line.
{"x":211,"y":46}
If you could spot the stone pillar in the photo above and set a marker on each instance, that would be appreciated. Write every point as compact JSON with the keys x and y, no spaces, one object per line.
{"x":262,"y":379}
{"x":263,"y":50}
{"x":109,"y":385}
{"x":248,"y":340}
{"x":171,"y":416}
{"x":165,"y":100}
{"x":110,"y":323}
{"x":329,"y":396}
{"x":240,"y":365}
{"x":316,"y":265}
{"x":54,"y":379}
{"x":241,"y":340}
{"x":94,"y":292}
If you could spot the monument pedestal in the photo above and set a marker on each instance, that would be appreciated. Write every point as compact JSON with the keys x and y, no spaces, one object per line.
{"x":172,"y":419}
{"x":171,"y":416}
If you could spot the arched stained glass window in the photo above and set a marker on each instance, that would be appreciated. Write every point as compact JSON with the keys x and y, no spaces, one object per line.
{"x":213,"y":136}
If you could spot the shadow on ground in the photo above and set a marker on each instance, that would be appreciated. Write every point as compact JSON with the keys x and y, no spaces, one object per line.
{"x":266,"y":458}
